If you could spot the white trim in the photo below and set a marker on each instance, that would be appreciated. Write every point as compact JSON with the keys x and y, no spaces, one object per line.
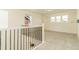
{"x":42,"y":38}
{"x":38,"y":46}
{"x":21,"y":27}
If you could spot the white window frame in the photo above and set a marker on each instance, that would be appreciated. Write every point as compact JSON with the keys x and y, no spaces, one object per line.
{"x":53,"y":19}
{"x":58,"y":19}
{"x":65,"y":18}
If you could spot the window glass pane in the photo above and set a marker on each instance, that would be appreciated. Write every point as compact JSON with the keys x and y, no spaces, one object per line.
{"x":52,"y":19}
{"x":65,"y":18}
{"x":58,"y":18}
{"x":30,"y":19}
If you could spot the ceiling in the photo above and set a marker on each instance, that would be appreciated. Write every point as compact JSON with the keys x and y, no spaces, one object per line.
{"x":50,"y":10}
{"x":41,"y":10}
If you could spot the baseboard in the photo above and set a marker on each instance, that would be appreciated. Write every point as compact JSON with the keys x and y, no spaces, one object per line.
{"x":38,"y":46}
{"x":60,"y":32}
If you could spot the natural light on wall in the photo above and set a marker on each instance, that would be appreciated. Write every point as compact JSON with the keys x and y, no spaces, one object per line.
{"x":3,"y":19}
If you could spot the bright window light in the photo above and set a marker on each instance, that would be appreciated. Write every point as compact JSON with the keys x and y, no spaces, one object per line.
{"x":52,"y":19}
{"x":65,"y":18}
{"x":58,"y":18}
{"x":30,"y":19}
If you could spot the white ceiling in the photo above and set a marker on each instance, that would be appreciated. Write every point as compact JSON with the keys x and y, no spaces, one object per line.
{"x":50,"y":10}
{"x":41,"y":10}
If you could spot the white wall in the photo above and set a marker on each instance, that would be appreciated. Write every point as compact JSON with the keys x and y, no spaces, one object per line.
{"x":16,"y":18}
{"x":78,"y":23}
{"x":77,"y":13}
{"x":3,"y":19}
{"x":3,"y":25}
{"x":70,"y":27}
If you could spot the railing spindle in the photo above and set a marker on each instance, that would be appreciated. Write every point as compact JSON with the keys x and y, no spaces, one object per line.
{"x":14,"y":39}
{"x":26,"y":38}
{"x":21,"y":39}
{"x":5,"y":39}
{"x":17,"y":39}
{"x":0,"y":40}
{"x":10,"y":39}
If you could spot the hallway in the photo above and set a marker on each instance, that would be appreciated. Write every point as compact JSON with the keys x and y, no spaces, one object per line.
{"x":59,"y":41}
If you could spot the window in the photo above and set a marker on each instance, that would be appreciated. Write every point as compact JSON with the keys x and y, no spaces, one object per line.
{"x":52,"y":19}
{"x":30,"y":19}
{"x":62,"y":18}
{"x":58,"y":18}
{"x":65,"y":18}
